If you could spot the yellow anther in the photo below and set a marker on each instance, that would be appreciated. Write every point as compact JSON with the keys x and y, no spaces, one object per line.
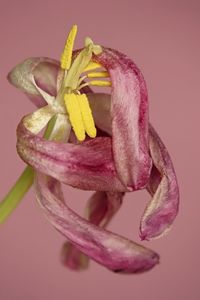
{"x":98,"y":75}
{"x":75,"y":116}
{"x":100,"y":83}
{"x":92,"y":66}
{"x":87,"y":117}
{"x":66,"y":56}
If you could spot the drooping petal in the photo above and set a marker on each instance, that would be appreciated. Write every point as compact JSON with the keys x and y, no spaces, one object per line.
{"x":163,"y":208}
{"x":86,"y":166}
{"x":111,"y":250}
{"x":100,"y":209}
{"x":36,"y":72}
{"x":129,"y":113}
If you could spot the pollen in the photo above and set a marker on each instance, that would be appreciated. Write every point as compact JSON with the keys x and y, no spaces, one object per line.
{"x":80,"y":115}
{"x":87,"y":117}
{"x":75,"y":115}
{"x":66,"y":57}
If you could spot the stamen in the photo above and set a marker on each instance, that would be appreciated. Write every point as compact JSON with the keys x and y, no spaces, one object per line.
{"x":82,"y":86}
{"x":92,"y":66}
{"x":87,"y":117}
{"x":75,"y":116}
{"x":66,"y":56}
{"x":99,"y":83}
{"x":81,"y":79}
{"x":98,"y":75}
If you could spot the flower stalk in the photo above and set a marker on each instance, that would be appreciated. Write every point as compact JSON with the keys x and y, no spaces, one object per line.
{"x":16,"y":194}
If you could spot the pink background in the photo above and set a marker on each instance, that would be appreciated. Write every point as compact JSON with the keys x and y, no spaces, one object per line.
{"x":163,"y":39}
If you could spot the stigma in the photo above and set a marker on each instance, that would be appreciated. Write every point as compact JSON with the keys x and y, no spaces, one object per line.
{"x":79,"y":72}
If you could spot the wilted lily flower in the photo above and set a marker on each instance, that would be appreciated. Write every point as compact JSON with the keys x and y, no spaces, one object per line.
{"x":93,"y":141}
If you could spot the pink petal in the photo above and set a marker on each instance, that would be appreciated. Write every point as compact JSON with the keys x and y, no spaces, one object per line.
{"x":102,"y":206}
{"x":162,"y":185}
{"x":163,"y":208}
{"x":112,"y":251}
{"x":100,"y":209}
{"x":86,"y":166}
{"x":33,"y":72}
{"x":129,"y":113}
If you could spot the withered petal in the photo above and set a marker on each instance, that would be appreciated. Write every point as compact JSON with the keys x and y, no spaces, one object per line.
{"x":129,"y":114}
{"x":88,"y":165}
{"x":111,"y":250}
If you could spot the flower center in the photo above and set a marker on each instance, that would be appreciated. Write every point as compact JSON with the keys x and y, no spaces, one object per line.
{"x":77,"y":105}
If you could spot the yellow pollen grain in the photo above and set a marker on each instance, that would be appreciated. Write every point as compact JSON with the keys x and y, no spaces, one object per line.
{"x":98,"y":75}
{"x":87,"y":117}
{"x":66,"y":57}
{"x":92,"y":66}
{"x":75,"y":115}
{"x":100,"y":83}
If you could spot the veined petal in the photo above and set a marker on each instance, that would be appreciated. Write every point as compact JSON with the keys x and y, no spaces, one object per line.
{"x":36,"y":72}
{"x":163,"y":208}
{"x":129,"y":113}
{"x":86,"y":166}
{"x":100,"y":209}
{"x":111,"y":250}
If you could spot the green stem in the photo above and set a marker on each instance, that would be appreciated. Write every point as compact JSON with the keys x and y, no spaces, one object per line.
{"x":17,"y":192}
{"x":22,"y":185}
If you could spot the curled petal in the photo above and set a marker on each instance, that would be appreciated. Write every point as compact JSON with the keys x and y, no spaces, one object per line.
{"x":163,"y":208}
{"x":35,"y":75}
{"x":129,"y":113}
{"x":162,"y":185}
{"x":86,"y":166}
{"x":100,"y":209}
{"x":111,"y":250}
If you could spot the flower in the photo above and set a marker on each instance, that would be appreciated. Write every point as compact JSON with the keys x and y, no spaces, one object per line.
{"x":93,"y":141}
